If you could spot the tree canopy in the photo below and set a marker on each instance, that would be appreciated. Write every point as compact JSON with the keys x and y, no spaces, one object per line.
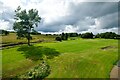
{"x":107,"y":35}
{"x":25,"y":21}
{"x":4,"y":32}
{"x":87,"y":35}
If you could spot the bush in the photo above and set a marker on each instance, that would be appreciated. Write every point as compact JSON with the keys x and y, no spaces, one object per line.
{"x":39,"y":72}
{"x":64,"y":36}
{"x":58,"y":39}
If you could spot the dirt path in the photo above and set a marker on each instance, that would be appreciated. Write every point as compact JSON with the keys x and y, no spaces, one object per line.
{"x":115,"y":73}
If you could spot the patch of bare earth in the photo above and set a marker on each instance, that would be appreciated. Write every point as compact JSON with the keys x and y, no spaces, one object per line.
{"x":115,"y":72}
{"x":107,"y":47}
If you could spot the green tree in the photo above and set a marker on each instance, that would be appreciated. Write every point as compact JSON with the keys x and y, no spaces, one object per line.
{"x":87,"y":35}
{"x":25,"y":21}
{"x":107,"y":35}
{"x":6,"y":33}
{"x":64,"y":36}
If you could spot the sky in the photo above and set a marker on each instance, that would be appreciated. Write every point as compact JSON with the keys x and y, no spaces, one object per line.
{"x":67,"y":16}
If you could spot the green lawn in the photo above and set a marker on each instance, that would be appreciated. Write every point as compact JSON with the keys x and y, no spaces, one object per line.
{"x":80,"y":58}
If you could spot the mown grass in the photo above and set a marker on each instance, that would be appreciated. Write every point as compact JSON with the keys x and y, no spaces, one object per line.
{"x":83,"y":58}
{"x":80,"y":58}
{"x":20,"y":59}
{"x":13,"y":62}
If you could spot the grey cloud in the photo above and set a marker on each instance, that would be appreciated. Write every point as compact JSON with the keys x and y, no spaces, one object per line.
{"x":78,"y":13}
{"x":85,"y":23}
{"x":109,"y":21}
{"x":91,"y":9}
{"x":6,"y":15}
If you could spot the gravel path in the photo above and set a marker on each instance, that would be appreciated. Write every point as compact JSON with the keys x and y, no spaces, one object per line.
{"x":115,"y":73}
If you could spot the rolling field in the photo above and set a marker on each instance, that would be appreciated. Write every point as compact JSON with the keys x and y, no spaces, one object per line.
{"x":12,"y":38}
{"x":80,"y":58}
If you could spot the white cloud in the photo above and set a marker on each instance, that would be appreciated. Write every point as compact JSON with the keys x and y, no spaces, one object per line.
{"x":4,"y":25}
{"x":59,"y":32}
{"x":95,"y":31}
{"x":70,"y":28}
{"x":11,"y":3}
{"x":53,"y":10}
{"x":97,"y":0}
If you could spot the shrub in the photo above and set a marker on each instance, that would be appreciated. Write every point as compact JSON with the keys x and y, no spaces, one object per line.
{"x":64,"y":36}
{"x":58,"y":39}
{"x":39,"y":72}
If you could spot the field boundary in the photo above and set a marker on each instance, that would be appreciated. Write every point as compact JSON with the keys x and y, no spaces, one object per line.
{"x":16,"y":44}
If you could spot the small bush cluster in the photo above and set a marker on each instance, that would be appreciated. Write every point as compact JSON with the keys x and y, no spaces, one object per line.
{"x":39,"y":72}
{"x":64,"y":36}
{"x":58,"y":39}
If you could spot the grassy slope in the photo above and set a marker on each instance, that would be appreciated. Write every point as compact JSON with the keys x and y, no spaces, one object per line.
{"x":79,"y":58}
{"x":12,"y":38}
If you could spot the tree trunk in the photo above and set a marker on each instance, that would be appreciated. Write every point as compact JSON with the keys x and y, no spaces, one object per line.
{"x":28,"y":39}
{"x":28,"y":42}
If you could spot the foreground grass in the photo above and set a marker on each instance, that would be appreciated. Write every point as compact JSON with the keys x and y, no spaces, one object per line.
{"x":14,"y":63}
{"x":81,"y":58}
{"x":21,"y":59}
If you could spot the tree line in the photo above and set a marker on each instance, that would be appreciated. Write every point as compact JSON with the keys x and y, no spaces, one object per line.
{"x":4,"y":32}
{"x":88,"y":35}
{"x":108,"y":35}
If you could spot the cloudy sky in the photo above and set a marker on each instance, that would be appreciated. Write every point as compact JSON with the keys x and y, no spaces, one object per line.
{"x":65,"y":15}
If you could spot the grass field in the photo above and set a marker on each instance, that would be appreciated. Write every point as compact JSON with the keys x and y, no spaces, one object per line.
{"x":12,"y":38}
{"x":80,"y":58}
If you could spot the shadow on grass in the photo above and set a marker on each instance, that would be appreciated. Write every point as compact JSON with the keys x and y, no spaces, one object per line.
{"x":38,"y":52}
